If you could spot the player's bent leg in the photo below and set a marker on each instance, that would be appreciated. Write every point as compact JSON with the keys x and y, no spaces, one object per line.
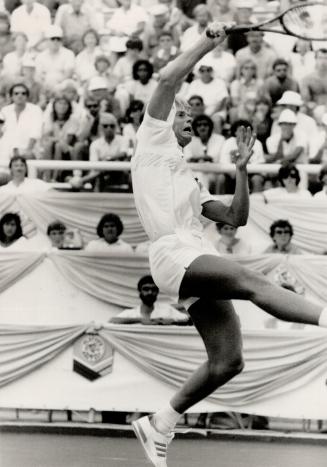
{"x":221,"y":278}
{"x":219,"y":327}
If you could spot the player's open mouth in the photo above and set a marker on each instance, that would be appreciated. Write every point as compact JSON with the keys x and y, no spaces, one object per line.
{"x":188,"y":129}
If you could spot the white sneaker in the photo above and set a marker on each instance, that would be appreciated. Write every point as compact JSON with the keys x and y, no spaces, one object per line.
{"x":154,"y":443}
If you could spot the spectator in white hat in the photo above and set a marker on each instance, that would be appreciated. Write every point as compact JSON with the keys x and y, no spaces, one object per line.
{"x":243,"y":15}
{"x":106,"y":98}
{"x":222,"y":62}
{"x":305,"y":124}
{"x":33,"y":19}
{"x":56,"y":62}
{"x":289,"y":145}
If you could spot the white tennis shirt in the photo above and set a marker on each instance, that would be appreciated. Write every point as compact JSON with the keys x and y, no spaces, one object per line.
{"x":167,"y":196}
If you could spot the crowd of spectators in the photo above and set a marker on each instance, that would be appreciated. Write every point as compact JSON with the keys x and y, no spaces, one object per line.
{"x":76,"y":76}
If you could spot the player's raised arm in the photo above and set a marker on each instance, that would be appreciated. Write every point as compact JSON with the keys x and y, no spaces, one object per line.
{"x":170,"y":77}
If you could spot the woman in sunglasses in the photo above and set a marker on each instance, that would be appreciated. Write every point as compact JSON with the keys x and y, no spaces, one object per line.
{"x":184,"y":264}
{"x":289,"y":178}
{"x":281,"y":233}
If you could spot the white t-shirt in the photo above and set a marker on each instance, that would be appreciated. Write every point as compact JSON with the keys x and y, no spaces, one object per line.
{"x":321,"y":195}
{"x":101,"y":150}
{"x":100,"y":245}
{"x":298,"y":140}
{"x":28,"y":185}
{"x":281,"y":192}
{"x":231,"y":145}
{"x":160,"y":311}
{"x":212,"y":93}
{"x":167,"y":197}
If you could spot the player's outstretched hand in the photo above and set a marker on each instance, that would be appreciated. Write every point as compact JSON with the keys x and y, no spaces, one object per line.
{"x":245,"y":140}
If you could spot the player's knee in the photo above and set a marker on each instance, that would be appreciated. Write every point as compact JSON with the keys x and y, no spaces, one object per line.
{"x":251,"y":283}
{"x":230,"y":367}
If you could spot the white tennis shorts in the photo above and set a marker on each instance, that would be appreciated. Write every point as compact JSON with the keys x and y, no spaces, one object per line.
{"x":171,"y":255}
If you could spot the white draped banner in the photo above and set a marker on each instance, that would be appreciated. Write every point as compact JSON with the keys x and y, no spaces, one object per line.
{"x":284,"y":373}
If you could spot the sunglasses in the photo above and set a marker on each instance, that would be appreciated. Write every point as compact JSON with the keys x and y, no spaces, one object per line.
{"x":108,"y":125}
{"x":203,"y":70}
{"x":92,"y":106}
{"x":55,"y":38}
{"x":195,"y":104}
{"x":281,"y":231}
{"x":202,"y":124}
{"x":20,"y":93}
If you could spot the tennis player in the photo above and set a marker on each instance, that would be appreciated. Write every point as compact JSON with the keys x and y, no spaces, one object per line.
{"x":183,"y":263}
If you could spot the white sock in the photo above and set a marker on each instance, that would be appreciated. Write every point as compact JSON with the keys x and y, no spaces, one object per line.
{"x":323,"y":318}
{"x":165,"y":419}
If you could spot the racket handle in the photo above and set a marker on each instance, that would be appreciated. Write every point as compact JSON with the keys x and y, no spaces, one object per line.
{"x":230,"y":31}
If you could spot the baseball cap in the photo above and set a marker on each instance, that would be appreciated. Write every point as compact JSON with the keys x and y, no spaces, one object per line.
{"x":97,"y":83}
{"x":54,"y":31}
{"x":287,"y":116}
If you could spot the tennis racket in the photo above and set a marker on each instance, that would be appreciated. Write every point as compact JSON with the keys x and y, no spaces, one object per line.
{"x":304,"y":20}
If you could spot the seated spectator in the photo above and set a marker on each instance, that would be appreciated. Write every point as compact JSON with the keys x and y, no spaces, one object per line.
{"x":280,"y":81}
{"x":109,"y":229}
{"x":150,"y":311}
{"x":247,"y":81}
{"x":142,"y":86}
{"x":5,"y":152}
{"x":128,"y":20}
{"x":56,"y":234}
{"x":205,"y":146}
{"x":222,"y":62}
{"x":281,"y":233}
{"x":103,"y":70}
{"x":60,"y":130}
{"x":74,"y":20}
{"x":159,"y":24}
{"x":115,"y":101}
{"x":84,"y":62}
{"x":13,"y":61}
{"x":246,"y":109}
{"x":89,"y":128}
{"x":302,"y":59}
{"x":23,"y":133}
{"x":133,"y":119}
{"x":202,"y":17}
{"x":111,"y":146}
{"x":257,"y":51}
{"x":320,"y":152}
{"x":228,"y":151}
{"x":212,"y":90}
{"x":290,"y":145}
{"x":228,"y":242}
{"x":55,"y":63}
{"x":123,"y":68}
{"x":313,"y":85}
{"x":165,"y":52}
{"x":20,"y":183}
{"x":33,"y":19}
{"x":11,"y":232}
{"x":289,"y":178}
{"x":322,"y":194}
{"x":305,"y":124}
{"x":196,"y":105}
{"x":243,"y":14}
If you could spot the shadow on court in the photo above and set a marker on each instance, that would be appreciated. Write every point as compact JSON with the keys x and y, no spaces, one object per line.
{"x":53,"y":450}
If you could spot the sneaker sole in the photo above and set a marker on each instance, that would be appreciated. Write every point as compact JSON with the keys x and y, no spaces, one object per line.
{"x":138,"y":430}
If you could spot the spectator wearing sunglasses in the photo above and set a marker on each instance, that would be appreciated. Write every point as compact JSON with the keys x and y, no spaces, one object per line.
{"x":281,"y":233}
{"x":289,"y":179}
{"x":23,"y":123}
{"x":149,"y":311}
{"x":110,"y":146}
